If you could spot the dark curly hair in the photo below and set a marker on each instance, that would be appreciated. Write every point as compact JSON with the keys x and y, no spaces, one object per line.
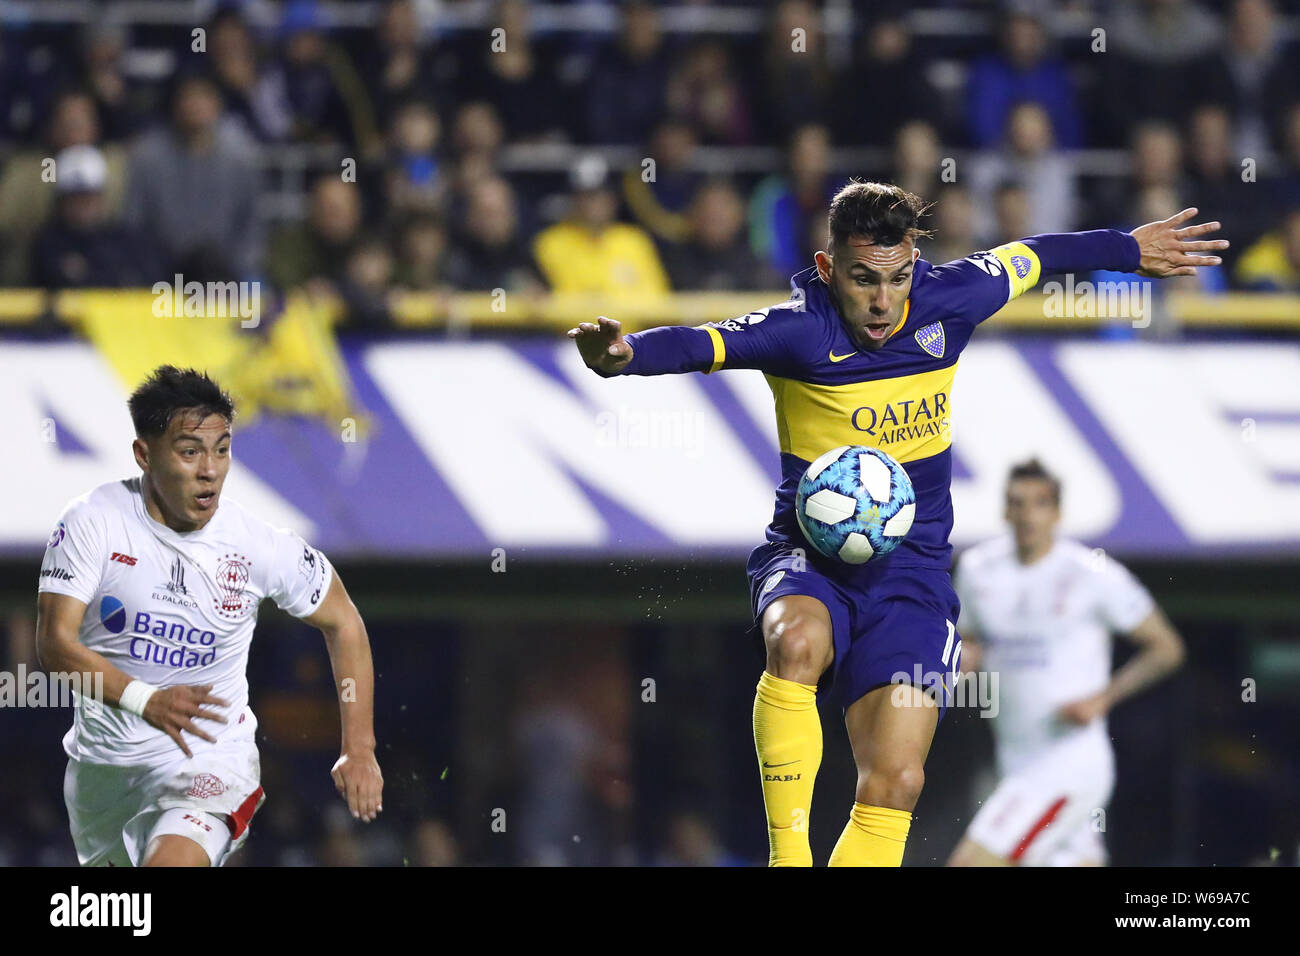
{"x":883,"y":212}
{"x":169,"y":390}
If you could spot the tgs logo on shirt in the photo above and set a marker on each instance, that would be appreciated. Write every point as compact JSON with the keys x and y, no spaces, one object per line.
{"x":931,"y":339}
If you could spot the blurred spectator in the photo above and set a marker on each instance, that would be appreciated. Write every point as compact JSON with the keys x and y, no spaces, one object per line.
{"x":1256,"y":76}
{"x":422,"y":254}
{"x":660,"y":204}
{"x":1153,"y":46}
{"x":590,"y":252}
{"x":1012,"y":214}
{"x":795,"y":79}
{"x":489,"y":252}
{"x":1273,"y":263}
{"x":1029,"y":159}
{"x":341,"y":845}
{"x":1287,"y":185}
{"x":81,"y":248}
{"x":1022,"y":71}
{"x":785,"y":210}
{"x":322,"y":91}
{"x":717,"y":257}
{"x":1215,"y":186}
{"x":366,"y":282}
{"x":692,"y":842}
{"x":29,"y":77}
{"x":954,"y":226}
{"x":476,"y":140}
{"x":1157,"y":161}
{"x":27,"y":196}
{"x":557,"y":742}
{"x":705,"y":92}
{"x":103,"y":47}
{"x":414,"y":178}
{"x":884,"y":61}
{"x":1157,"y":155}
{"x":320,"y":247}
{"x":627,"y":92}
{"x":516,"y":72}
{"x":917,"y":158}
{"x":400,"y":63}
{"x":257,"y":100}
{"x":194,"y":186}
{"x":433,"y":844}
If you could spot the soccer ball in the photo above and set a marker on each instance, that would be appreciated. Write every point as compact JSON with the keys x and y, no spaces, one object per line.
{"x":855,"y":503}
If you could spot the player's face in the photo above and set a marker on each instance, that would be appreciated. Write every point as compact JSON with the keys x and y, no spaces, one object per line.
{"x":869,"y":285}
{"x":186,"y":467}
{"x":1031,"y":511}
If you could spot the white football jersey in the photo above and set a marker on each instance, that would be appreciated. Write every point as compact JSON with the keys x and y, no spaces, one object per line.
{"x":1045,"y":630}
{"x":172,"y":608}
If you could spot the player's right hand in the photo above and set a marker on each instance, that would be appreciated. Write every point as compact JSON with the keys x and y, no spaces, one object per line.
{"x":602,"y":345}
{"x":173,"y":709}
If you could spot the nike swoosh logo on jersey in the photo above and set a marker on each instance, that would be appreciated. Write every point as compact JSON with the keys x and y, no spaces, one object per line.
{"x":771,"y":766}
{"x":840,"y":358}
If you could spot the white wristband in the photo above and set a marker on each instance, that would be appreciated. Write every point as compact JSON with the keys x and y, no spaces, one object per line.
{"x":135,"y":696}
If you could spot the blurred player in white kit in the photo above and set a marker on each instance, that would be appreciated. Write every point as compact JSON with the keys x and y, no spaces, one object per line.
{"x":154,"y":582}
{"x":1038,"y":610}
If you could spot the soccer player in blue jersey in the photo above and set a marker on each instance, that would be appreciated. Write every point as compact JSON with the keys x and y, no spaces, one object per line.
{"x":864,"y":353}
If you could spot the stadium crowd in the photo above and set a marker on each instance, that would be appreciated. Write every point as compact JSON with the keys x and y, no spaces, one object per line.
{"x":424,"y":144}
{"x":435,"y":161}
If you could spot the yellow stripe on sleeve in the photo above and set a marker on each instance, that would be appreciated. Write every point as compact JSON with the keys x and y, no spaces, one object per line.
{"x":719,"y":348}
{"x":1022,"y":265}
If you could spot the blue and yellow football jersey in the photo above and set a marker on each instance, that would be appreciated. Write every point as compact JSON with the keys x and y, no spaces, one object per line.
{"x":897,"y":398}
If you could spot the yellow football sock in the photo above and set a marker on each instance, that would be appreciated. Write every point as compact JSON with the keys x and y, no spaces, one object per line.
{"x":788,"y":738}
{"x":874,"y":836}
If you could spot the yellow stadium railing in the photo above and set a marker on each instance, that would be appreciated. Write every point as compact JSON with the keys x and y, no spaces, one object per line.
{"x":470,"y":311}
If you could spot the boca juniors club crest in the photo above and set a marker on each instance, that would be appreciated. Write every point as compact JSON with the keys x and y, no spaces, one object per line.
{"x":232,"y":579}
{"x":930,"y":338}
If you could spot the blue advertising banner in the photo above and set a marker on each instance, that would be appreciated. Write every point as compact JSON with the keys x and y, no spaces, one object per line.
{"x":1165,"y":449}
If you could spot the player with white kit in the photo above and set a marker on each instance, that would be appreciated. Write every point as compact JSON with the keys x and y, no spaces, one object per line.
{"x":154,"y":582}
{"x":1038,"y":611}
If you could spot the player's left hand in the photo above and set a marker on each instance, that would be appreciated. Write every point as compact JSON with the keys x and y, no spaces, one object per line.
{"x":359,"y":782}
{"x":1084,"y":711}
{"x":1167,"y":246}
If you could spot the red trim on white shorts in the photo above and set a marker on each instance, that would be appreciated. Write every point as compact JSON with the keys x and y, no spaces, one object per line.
{"x":1036,"y":829}
{"x":239,"y":820}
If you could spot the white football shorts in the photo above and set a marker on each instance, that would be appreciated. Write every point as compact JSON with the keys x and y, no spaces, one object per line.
{"x":1051,"y":812}
{"x":114,"y":811}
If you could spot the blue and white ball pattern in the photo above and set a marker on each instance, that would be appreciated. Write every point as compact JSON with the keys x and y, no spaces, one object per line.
{"x":855,"y":503}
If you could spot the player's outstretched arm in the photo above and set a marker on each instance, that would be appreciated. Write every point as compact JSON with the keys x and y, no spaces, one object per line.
{"x":1171,"y":248}
{"x":774,"y":338}
{"x":356,"y":773}
{"x":170,"y":709}
{"x":1161,"y":651}
{"x":602,"y":345}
